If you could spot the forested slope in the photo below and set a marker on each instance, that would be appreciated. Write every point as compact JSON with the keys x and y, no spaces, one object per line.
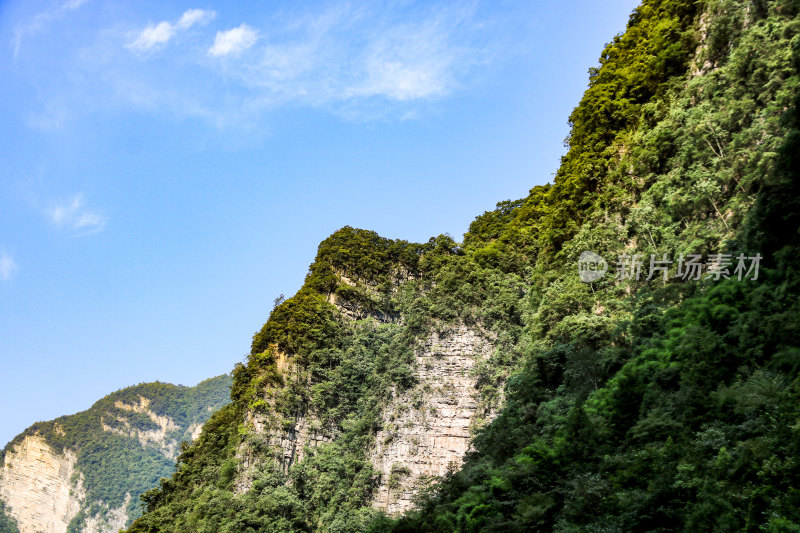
{"x":662,"y":396}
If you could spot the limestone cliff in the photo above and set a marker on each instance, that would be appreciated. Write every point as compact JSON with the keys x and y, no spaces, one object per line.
{"x":424,"y":430}
{"x":159,"y":437}
{"x":359,"y":390}
{"x":39,"y":485}
{"x":427,"y":429}
{"x":85,"y":472}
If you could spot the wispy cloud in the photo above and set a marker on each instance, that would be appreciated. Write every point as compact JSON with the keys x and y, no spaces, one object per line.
{"x":360,"y":60}
{"x":233,"y":41}
{"x":408,"y":63}
{"x":8,"y":268}
{"x":347,"y":56}
{"x":155,"y":35}
{"x":74,"y":215}
{"x":41,"y":20}
{"x":195,"y":16}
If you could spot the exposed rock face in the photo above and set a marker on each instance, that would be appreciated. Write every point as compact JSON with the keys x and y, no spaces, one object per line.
{"x":45,"y":486}
{"x":427,"y":429}
{"x":292,"y":443}
{"x":111,"y":520}
{"x":289,"y":445}
{"x":355,"y":310}
{"x":39,"y":485}
{"x":157,"y":437}
{"x":36,"y":484}
{"x":195,"y":430}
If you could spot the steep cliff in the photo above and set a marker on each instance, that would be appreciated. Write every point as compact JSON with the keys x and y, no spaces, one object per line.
{"x":37,"y":483}
{"x":85,"y":472}
{"x":561,"y":369}
{"x":426,"y":430}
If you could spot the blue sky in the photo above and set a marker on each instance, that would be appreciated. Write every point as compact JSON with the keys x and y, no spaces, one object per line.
{"x":169,"y":168}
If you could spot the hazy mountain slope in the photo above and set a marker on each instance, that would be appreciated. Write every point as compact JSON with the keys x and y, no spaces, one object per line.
{"x":85,"y":472}
{"x":624,"y":404}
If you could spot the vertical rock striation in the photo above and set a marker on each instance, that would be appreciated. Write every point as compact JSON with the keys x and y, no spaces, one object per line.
{"x":36,"y":483}
{"x":427,"y":429}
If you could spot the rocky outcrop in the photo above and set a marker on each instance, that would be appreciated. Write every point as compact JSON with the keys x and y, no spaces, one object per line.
{"x":195,"y":430}
{"x":45,"y":485}
{"x":371,"y":295}
{"x":287,"y":445}
{"x":291,"y":444}
{"x":427,"y":429}
{"x":44,"y":493}
{"x":36,"y":484}
{"x":157,"y":437}
{"x":109,"y":519}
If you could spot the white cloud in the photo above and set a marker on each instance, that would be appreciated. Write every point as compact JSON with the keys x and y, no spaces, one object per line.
{"x":75,"y":216}
{"x":153,"y":35}
{"x":158,"y":34}
{"x":195,"y":16}
{"x":357,"y":60}
{"x":350,"y":58}
{"x":233,"y":41}
{"x":61,"y":213}
{"x":407,"y":64}
{"x":8,"y":268}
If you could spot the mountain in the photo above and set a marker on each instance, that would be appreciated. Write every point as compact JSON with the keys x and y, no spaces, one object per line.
{"x":618,"y":351}
{"x":85,"y":472}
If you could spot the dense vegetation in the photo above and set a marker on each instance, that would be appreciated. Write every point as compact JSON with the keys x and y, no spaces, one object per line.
{"x":7,"y":524}
{"x":631,"y":404}
{"x":114,"y":465}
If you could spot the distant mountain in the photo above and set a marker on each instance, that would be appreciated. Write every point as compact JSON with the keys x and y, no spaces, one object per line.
{"x":85,"y":472}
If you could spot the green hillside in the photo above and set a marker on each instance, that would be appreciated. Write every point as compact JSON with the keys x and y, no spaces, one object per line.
{"x":114,"y":464}
{"x":631,"y":402}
